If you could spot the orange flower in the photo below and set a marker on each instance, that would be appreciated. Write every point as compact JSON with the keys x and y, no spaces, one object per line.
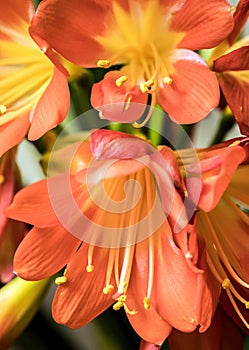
{"x":11,"y":232}
{"x":113,"y":226}
{"x":222,"y":222}
{"x":154,"y":41}
{"x":34,"y":93}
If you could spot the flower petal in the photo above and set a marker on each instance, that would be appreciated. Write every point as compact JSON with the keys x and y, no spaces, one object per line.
{"x":234,"y":60}
{"x":17,"y":128}
{"x":81,"y":298}
{"x":52,"y":108}
{"x":222,"y":334}
{"x":194,"y":91}
{"x":175,"y":281}
{"x":106,"y":144}
{"x":148,"y":324}
{"x":43,"y":252}
{"x":217,"y":166}
{"x":122,"y":104}
{"x":32,"y":208}
{"x":240,"y":18}
{"x":206,"y":23}
{"x":14,"y":15}
{"x":236,"y":91}
{"x":83,"y":22}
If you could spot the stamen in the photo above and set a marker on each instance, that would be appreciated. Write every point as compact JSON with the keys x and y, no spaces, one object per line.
{"x":121,"y":80}
{"x":237,"y":309}
{"x":60,"y":280}
{"x":117,"y":306}
{"x":108,"y":289}
{"x":3,"y":109}
{"x":222,"y":254}
{"x":167,"y":80}
{"x":128,"y":311}
{"x":146,"y":86}
{"x":247,"y":305}
{"x":226,"y":283}
{"x":89,"y":268}
{"x":126,"y":269}
{"x":103,"y":63}
{"x":121,"y":303}
{"x":146,"y":303}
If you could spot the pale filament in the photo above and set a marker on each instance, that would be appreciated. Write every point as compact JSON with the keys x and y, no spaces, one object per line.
{"x":90,"y":267}
{"x":223,"y":256}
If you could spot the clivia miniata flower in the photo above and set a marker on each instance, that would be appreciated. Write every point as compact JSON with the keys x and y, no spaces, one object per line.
{"x":153,"y":41}
{"x":154,"y":275}
{"x":119,"y":248}
{"x":34,"y":93}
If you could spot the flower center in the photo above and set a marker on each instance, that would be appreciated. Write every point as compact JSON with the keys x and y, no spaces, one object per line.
{"x":141,"y":40}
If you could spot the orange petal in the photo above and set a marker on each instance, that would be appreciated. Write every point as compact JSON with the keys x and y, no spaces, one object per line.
{"x":83,"y":22}
{"x":148,"y":324}
{"x":13,"y":132}
{"x":217,"y":166}
{"x":123,"y":104}
{"x":81,"y":298}
{"x":206,"y":23}
{"x":15,"y":15}
{"x":32,"y":205}
{"x":52,"y":108}
{"x":240,"y":18}
{"x":234,"y":60}
{"x":43,"y":252}
{"x":222,"y":334}
{"x":194,"y":91}
{"x":236,"y":92}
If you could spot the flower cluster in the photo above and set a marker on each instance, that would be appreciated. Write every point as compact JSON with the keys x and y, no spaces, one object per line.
{"x":126,"y":217}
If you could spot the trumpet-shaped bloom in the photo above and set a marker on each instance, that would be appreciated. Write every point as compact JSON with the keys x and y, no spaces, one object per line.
{"x":231,"y":62}
{"x":118,"y":242}
{"x":154,"y":41}
{"x":222,"y":223}
{"x":34,"y":93}
{"x":11,"y":232}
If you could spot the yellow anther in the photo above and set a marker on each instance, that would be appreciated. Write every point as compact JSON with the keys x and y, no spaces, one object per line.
{"x":145,"y":87}
{"x":247,"y":305}
{"x":108,"y":289}
{"x":60,"y":280}
{"x":117,"y":306}
{"x":167,"y":80}
{"x":226,"y":283}
{"x":3,"y":109}
{"x":121,"y":80}
{"x":235,"y":143}
{"x":1,"y":179}
{"x":146,"y":303}
{"x":103,"y":64}
{"x":122,"y":298}
{"x":89,"y":268}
